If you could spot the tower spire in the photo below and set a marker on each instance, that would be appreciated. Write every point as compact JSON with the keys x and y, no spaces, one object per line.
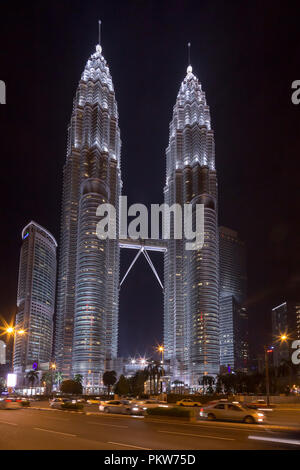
{"x":99,"y":32}
{"x":189,"y":67}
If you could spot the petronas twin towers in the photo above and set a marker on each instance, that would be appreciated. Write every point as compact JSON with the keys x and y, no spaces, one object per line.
{"x":86,"y":329}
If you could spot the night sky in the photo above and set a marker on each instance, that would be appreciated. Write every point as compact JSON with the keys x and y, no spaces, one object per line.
{"x":246,"y":55}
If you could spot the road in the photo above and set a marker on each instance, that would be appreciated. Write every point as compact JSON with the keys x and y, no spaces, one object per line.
{"x":25,"y":429}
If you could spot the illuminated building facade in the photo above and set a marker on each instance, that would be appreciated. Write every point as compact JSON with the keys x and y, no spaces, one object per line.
{"x":86,"y":331}
{"x":2,"y":352}
{"x":285,"y":321}
{"x":191,"y":278}
{"x":35,"y":298}
{"x":234,"y":344}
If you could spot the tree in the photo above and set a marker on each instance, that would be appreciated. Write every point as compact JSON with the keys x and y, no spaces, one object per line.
{"x":47,"y":380}
{"x":32,"y":376}
{"x":137,"y":382}
{"x":78,"y":378}
{"x":70,"y":386}
{"x":122,"y":386}
{"x":109,"y":379}
{"x":158,"y":372}
{"x":58,"y":377}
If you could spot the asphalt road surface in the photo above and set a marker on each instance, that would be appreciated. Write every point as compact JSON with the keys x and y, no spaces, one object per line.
{"x":35,"y":429}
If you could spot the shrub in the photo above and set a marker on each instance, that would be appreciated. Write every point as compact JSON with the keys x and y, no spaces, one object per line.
{"x":72,"y":406}
{"x":177,"y":412}
{"x":25,"y":403}
{"x":174,"y":397}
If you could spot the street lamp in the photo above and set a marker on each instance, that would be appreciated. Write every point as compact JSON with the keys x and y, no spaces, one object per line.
{"x":161,"y":349}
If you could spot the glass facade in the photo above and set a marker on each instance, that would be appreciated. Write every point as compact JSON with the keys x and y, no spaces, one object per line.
{"x":36,"y":297}
{"x":86,"y":331}
{"x":233,"y":314}
{"x":191,"y":310}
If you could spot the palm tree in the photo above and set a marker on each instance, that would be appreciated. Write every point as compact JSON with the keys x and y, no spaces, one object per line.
{"x":32,"y":376}
{"x":58,"y":377}
{"x":47,"y":380}
{"x":78,"y":378}
{"x":149,"y":370}
{"x":158,"y":372}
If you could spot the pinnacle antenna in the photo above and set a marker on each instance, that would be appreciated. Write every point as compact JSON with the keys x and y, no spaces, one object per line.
{"x":99,"y":32}
{"x":189,"y":53}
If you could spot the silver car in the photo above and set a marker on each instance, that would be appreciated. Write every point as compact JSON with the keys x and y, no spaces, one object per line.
{"x":121,"y":407}
{"x":231,"y":412}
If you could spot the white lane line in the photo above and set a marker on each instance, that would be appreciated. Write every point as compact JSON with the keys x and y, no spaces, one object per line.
{"x":7,"y":422}
{"x":275,"y":439}
{"x":110,"y":425}
{"x":127,"y":445}
{"x":55,"y":432}
{"x":199,"y":435}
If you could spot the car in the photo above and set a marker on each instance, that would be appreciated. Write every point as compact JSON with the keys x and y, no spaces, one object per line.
{"x":148,"y":404}
{"x":57,"y":402}
{"x":3,"y":403}
{"x":258,"y":404}
{"x":188,"y":402}
{"x":121,"y":407}
{"x":231,"y":412}
{"x":94,"y":401}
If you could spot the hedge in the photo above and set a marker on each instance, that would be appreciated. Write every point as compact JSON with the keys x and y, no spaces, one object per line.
{"x":174,"y":397}
{"x":177,"y":412}
{"x":72,"y":406}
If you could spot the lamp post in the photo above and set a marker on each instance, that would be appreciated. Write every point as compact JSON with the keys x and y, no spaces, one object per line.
{"x":161,"y":350}
{"x":267,"y":375}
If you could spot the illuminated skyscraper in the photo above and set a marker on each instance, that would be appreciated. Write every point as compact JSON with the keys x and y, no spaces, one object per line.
{"x":191,"y":322}
{"x":234,"y":348}
{"x":35,"y":299}
{"x":86,"y":329}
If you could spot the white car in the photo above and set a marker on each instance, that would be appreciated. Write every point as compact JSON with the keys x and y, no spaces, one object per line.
{"x":154,"y":404}
{"x":121,"y":407}
{"x":57,"y":402}
{"x":231,"y":412}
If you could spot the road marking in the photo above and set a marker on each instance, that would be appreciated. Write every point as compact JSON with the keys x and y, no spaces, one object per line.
{"x":127,"y":445}
{"x":56,"y":432}
{"x":198,"y":435}
{"x":110,"y":425}
{"x":275,"y":439}
{"x":7,"y":422}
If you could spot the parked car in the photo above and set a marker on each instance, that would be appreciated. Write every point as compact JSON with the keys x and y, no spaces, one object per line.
{"x":231,"y":412}
{"x":188,"y":402}
{"x":121,"y":407}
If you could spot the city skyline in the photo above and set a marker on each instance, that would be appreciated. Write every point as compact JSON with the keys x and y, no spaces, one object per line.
{"x":266,"y":242}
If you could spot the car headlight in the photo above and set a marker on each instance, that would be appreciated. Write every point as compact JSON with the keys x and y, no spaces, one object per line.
{"x":144,"y":408}
{"x":260,"y":414}
{"x":135,"y":408}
